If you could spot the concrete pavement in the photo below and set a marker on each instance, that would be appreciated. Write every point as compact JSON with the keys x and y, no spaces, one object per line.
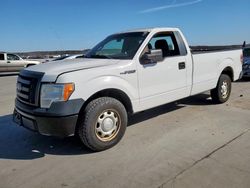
{"x":190,"y":143}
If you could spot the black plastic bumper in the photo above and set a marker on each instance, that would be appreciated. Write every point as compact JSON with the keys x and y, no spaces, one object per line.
{"x":59,"y":120}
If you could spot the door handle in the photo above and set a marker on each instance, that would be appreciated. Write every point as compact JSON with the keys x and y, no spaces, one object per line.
{"x":182,"y":65}
{"x":8,"y":62}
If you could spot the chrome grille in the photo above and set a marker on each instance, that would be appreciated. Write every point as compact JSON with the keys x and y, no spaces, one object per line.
{"x":27,"y":87}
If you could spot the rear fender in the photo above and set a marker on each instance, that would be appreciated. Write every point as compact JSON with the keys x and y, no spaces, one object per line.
{"x":228,"y":65}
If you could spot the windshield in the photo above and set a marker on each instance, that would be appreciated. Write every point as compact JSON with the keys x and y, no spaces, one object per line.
{"x":118,"y":46}
{"x":246,"y":52}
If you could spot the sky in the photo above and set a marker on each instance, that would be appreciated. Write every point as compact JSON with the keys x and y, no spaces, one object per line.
{"x":37,"y":25}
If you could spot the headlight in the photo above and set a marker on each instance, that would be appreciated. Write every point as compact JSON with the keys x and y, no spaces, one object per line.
{"x":55,"y":92}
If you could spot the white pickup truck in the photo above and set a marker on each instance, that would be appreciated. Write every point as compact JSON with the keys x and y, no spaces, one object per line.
{"x":127,"y":72}
{"x":13,"y":63}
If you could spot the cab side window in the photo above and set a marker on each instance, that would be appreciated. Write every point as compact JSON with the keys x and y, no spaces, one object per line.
{"x":1,"y":57}
{"x":165,"y":42}
{"x":12,"y":57}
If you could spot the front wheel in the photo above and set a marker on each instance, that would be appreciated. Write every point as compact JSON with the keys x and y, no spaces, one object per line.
{"x":102,"y":124}
{"x":222,"y":92}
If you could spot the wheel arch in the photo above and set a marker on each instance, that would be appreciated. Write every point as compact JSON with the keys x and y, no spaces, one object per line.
{"x":113,"y":93}
{"x":228,"y":71}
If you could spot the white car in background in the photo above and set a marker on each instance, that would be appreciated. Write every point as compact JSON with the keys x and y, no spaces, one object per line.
{"x":14,"y":63}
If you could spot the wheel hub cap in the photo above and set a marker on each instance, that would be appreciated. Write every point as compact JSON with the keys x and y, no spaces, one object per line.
{"x":224,"y":89}
{"x":107,"y":125}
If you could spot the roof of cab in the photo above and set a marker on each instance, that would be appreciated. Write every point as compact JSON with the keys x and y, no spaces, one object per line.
{"x":155,"y":29}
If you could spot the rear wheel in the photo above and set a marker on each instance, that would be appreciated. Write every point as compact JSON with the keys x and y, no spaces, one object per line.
{"x":222,"y":92}
{"x":102,"y":124}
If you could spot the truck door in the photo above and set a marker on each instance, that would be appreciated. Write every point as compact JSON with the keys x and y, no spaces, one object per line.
{"x":163,"y":81}
{"x":14,"y":63}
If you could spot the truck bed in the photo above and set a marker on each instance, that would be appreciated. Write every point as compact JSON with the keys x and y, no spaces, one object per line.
{"x":207,"y":67}
{"x":209,"y":49}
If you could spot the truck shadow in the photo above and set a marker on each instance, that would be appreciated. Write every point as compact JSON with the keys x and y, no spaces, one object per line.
{"x":201,"y":99}
{"x":197,"y":100}
{"x":20,"y":144}
{"x":246,"y":79}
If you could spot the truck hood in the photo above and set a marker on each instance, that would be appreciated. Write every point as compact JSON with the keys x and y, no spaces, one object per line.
{"x":53,"y":69}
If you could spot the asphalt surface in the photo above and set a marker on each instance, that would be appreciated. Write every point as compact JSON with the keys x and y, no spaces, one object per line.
{"x":189,"y":143}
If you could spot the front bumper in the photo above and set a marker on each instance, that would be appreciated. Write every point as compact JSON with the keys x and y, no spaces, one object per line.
{"x":59,"y":120}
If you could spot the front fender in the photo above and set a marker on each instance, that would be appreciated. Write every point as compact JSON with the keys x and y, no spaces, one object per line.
{"x":91,"y":81}
{"x":111,"y":82}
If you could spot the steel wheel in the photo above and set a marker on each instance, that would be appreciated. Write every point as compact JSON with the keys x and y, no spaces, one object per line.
{"x":107,"y":125}
{"x":102,"y":124}
{"x":224,"y":90}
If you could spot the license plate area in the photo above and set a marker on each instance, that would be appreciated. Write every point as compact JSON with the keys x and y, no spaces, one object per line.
{"x":17,"y":118}
{"x":24,"y":121}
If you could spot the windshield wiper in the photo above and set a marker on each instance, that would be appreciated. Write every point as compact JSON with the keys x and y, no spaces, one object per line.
{"x":100,"y":56}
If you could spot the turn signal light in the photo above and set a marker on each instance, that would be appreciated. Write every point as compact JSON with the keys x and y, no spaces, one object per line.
{"x":68,"y":90}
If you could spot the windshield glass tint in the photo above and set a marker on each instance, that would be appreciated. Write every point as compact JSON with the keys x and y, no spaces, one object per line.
{"x":12,"y":57}
{"x":246,"y":52}
{"x":1,"y":56}
{"x":118,"y":46}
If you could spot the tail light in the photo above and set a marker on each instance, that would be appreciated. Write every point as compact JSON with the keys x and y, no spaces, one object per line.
{"x":241,"y":58}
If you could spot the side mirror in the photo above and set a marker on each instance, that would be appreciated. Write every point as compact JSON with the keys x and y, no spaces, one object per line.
{"x":153,"y":56}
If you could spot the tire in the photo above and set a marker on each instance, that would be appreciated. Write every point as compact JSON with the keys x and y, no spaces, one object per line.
{"x":102,"y":124}
{"x":222,"y":92}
